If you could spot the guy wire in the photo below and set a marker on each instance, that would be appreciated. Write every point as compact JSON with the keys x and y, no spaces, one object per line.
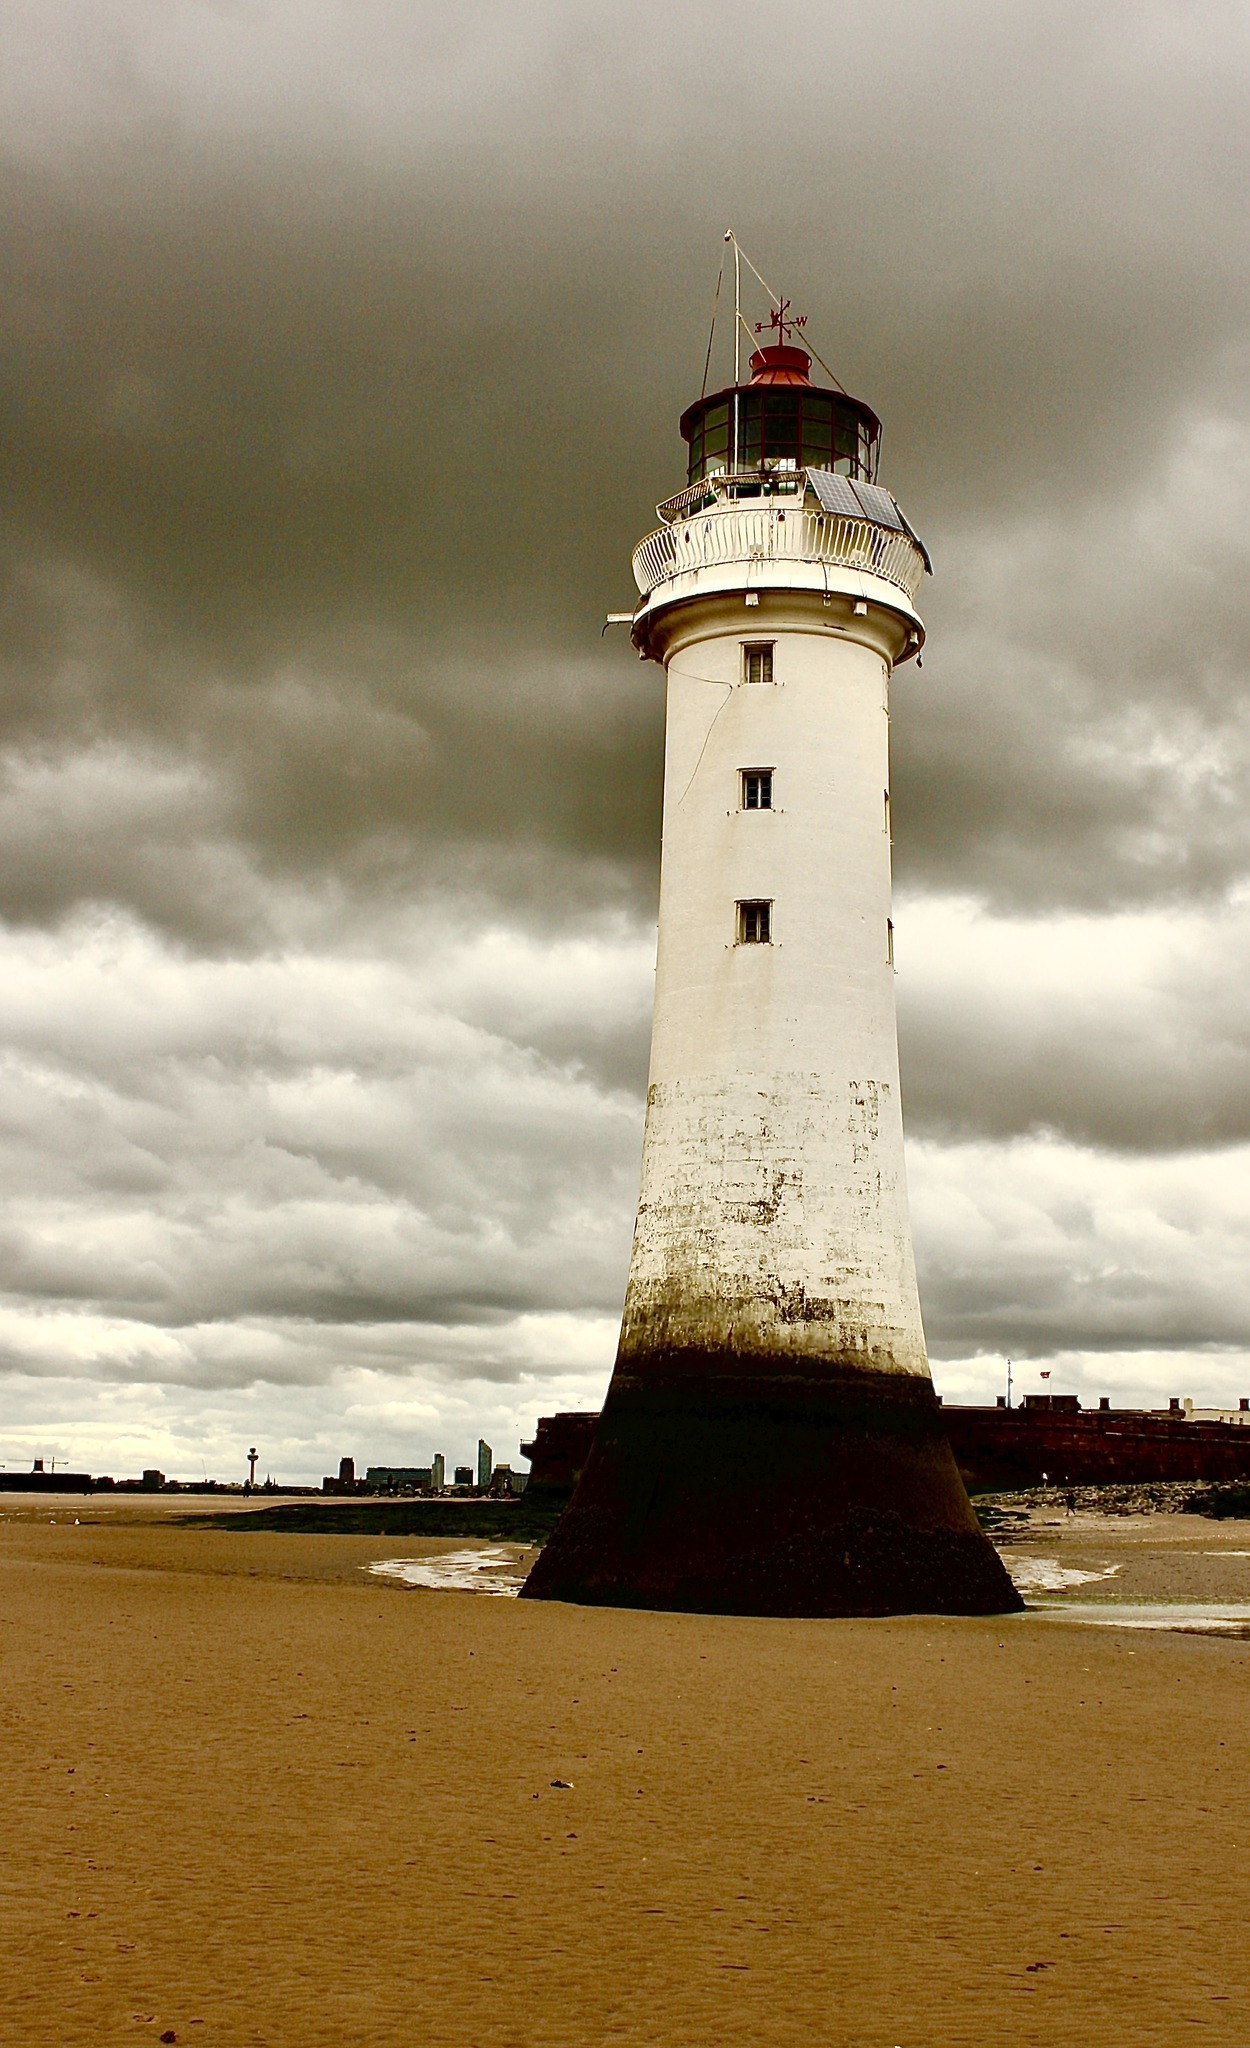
{"x":711,"y":334}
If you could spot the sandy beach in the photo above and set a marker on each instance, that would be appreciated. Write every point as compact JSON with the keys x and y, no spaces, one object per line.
{"x":256,"y":1794}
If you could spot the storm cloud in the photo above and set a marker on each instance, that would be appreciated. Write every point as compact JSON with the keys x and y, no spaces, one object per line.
{"x":341,"y":352}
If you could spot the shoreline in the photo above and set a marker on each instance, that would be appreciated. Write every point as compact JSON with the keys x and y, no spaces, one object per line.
{"x":264,"y":1798}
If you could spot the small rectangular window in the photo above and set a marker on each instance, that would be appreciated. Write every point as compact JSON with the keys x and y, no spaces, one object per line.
{"x":755,"y":923}
{"x":757,"y":789}
{"x":757,"y":661}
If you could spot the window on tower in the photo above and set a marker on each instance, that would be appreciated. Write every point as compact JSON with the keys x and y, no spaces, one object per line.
{"x":757,"y":661}
{"x":755,"y":922}
{"x":757,"y":789}
{"x":709,"y":442}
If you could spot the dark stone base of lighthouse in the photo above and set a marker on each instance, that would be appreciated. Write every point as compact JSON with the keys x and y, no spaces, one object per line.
{"x":718,"y":1484}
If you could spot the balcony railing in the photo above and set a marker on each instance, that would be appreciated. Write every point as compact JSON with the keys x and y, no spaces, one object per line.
{"x":747,"y":534}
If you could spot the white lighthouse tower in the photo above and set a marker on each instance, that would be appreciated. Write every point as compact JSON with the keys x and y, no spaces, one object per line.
{"x":771,"y":1441}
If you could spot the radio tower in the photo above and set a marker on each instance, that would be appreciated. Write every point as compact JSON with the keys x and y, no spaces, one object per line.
{"x":771,"y":1442}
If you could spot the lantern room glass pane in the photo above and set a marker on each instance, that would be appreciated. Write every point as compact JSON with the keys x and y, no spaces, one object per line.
{"x":783,"y":427}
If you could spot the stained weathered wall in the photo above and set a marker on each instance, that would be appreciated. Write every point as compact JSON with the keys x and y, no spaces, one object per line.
{"x":773,"y":1210}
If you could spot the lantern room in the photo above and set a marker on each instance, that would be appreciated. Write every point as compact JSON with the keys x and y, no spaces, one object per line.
{"x":780,"y":421}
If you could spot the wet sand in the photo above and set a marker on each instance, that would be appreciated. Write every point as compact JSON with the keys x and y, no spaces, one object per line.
{"x":256,"y":1795}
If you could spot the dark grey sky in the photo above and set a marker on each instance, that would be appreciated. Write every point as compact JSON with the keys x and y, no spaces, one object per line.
{"x":341,"y":353}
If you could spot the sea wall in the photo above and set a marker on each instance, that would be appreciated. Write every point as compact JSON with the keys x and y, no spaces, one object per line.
{"x":998,"y":1448}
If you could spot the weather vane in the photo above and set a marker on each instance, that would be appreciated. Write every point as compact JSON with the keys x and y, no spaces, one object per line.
{"x":781,"y":320}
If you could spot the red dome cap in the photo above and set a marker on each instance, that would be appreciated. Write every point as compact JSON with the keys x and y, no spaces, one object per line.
{"x":780,"y":363}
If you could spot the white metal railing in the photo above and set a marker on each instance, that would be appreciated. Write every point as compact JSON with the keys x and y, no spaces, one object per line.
{"x":771,"y":533}
{"x":724,"y":483}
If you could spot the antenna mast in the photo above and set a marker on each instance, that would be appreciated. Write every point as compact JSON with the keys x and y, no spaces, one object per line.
{"x":731,"y":237}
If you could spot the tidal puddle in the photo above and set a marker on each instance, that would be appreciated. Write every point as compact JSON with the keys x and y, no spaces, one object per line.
{"x":1047,"y":1575}
{"x":1036,"y":1577}
{"x":1187,"y":1617}
{"x":499,"y":1572}
{"x":502,"y":1572}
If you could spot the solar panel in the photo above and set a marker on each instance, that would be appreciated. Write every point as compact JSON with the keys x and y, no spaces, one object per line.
{"x":835,"y":494}
{"x":878,"y":505}
{"x":847,"y":498}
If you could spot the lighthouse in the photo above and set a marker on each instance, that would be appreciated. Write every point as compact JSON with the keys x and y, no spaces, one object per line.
{"x":771,"y":1442}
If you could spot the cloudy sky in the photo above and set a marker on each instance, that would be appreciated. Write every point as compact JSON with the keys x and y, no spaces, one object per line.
{"x":342,"y":351}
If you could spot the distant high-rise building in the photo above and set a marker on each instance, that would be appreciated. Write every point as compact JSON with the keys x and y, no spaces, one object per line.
{"x":391,"y":1478}
{"x":464,"y":1475}
{"x":438,"y":1472}
{"x":485,"y":1462}
{"x":347,"y":1471}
